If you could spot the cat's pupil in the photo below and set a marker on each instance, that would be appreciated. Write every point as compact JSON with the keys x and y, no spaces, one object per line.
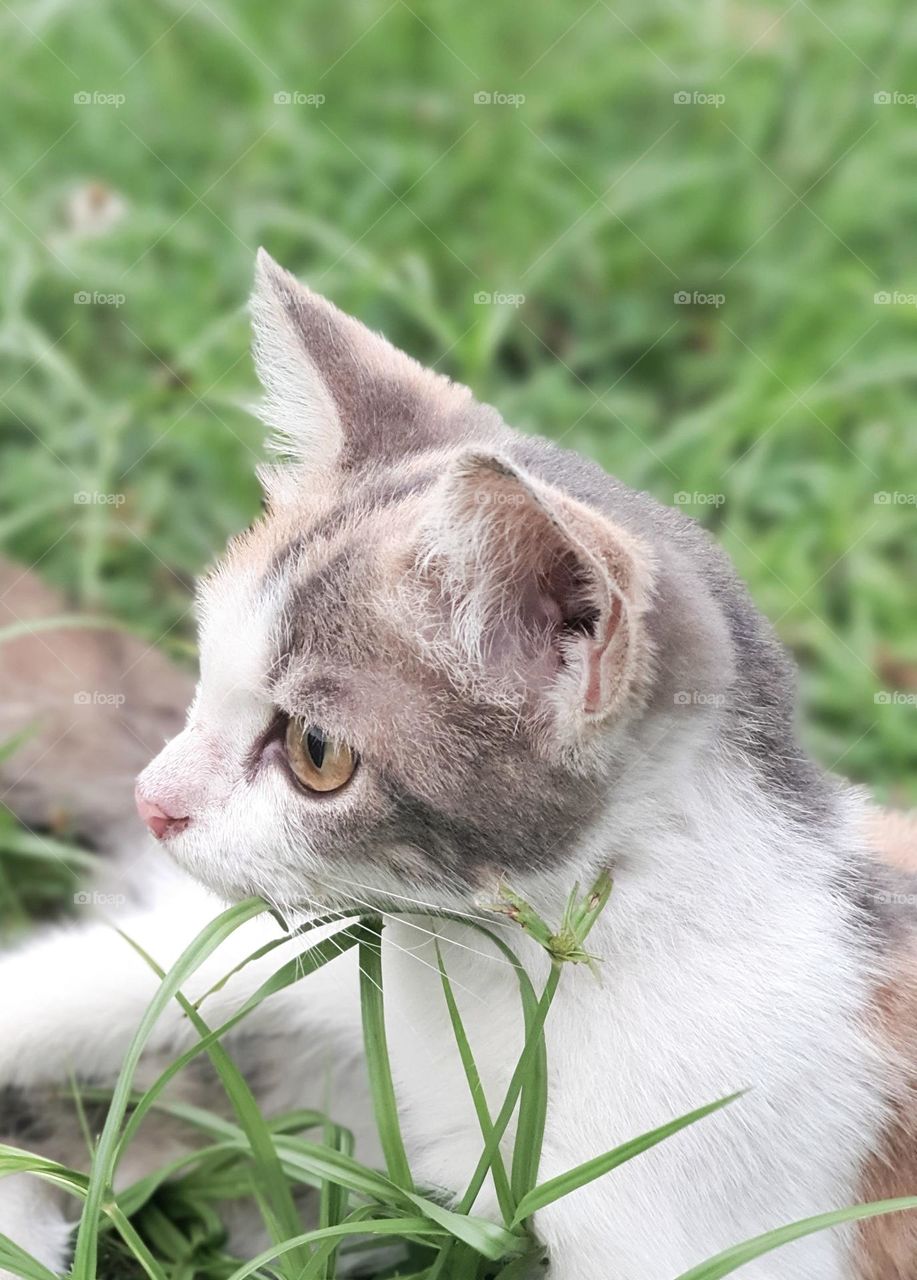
{"x":315,"y":745}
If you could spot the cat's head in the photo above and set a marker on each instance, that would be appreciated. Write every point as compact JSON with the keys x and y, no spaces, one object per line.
{"x":422,"y":667}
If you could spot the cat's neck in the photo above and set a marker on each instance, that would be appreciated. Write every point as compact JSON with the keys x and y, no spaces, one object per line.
{"x":709,"y":851}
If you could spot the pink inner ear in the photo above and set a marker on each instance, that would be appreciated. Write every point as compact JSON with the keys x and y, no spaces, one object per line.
{"x":530,"y":628}
{"x":549,"y":582}
{"x":595,"y":695}
{"x":540,"y":613}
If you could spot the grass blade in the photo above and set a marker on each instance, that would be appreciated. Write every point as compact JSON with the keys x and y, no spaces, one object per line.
{"x":305,"y":963}
{"x":533,"y":1099}
{"x":377,"y":1059}
{"x":332,"y":1205}
{"x":13,"y":1161}
{"x":731,"y":1259}
{"x":519,"y":1076}
{"x":15,"y":1259}
{"x":528,"y":1267}
{"x":16,"y":1160}
{"x":323,"y":1258}
{"x":275,"y":1195}
{"x":312,"y":1164}
{"x":135,"y":1244}
{"x":85,"y":1262}
{"x":476,"y":1089}
{"x":484,"y":1237}
{"x":583,"y":1174}
{"x":383,"y":1227}
{"x":533,"y":1038}
{"x":317,"y":923}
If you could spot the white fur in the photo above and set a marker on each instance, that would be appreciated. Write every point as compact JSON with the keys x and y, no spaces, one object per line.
{"x":724,"y":967}
{"x":32,"y":1216}
{"x":297,"y":404}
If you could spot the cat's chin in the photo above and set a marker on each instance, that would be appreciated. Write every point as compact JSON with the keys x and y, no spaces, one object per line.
{"x":291,"y":905}
{"x":209,"y":872}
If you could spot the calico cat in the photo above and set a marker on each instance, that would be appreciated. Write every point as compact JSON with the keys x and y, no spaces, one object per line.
{"x":450,"y":655}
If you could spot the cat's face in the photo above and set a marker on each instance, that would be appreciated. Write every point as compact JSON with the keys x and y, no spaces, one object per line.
{"x":415,"y":666}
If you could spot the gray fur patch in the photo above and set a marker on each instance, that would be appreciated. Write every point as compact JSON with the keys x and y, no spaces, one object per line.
{"x":23,"y":1119}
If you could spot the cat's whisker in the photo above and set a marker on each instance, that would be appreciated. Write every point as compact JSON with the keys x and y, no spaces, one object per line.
{"x":453,"y":942}
{"x":491,"y":921}
{"x":413,"y":954}
{"x":282,"y":913}
{"x":485,"y":955}
{"x":318,"y":908}
{"x":436,"y":912}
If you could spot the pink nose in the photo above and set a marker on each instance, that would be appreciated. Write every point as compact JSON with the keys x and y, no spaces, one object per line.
{"x":159,"y":821}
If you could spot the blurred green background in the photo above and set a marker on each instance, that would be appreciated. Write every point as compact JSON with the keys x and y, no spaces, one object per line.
{"x":681,"y":236}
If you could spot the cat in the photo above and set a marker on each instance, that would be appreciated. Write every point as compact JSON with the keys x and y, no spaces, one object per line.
{"x":450,"y":656}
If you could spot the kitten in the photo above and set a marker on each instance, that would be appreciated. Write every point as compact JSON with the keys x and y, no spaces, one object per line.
{"x":450,"y":655}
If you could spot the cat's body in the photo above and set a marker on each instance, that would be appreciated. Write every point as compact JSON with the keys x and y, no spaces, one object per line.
{"x":538,"y":674}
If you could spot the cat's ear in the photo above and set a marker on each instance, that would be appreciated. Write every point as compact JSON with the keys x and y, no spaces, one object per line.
{"x":298,"y":404}
{"x":336,"y":393}
{"x":541,"y":589}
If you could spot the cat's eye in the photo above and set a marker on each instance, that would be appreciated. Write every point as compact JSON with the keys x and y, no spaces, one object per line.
{"x":320,"y":763}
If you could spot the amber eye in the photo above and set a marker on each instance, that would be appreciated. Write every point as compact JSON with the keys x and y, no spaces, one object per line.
{"x":320,"y":763}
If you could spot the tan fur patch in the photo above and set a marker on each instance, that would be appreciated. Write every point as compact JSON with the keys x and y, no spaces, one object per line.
{"x":887,"y":1246}
{"x":894,"y":834}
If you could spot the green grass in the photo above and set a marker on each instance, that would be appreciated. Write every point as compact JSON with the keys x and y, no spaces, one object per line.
{"x":782,"y":412}
{"x":165,"y":1225}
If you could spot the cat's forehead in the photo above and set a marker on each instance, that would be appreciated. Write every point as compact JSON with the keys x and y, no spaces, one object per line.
{"x":306,"y":594}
